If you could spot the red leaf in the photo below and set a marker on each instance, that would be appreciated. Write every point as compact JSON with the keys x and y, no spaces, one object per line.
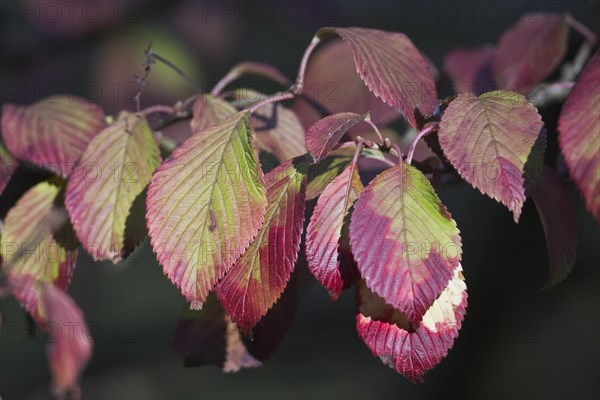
{"x":555,"y":209}
{"x":259,"y":277}
{"x":332,"y":80}
{"x":325,"y":134}
{"x":488,"y":139}
{"x":324,"y":231}
{"x":471,"y":69}
{"x":392,"y":68}
{"x":579,"y":134}
{"x":51,"y":133}
{"x":405,"y":242}
{"x":70,"y":346}
{"x":530,"y":50}
{"x":412,"y":350}
{"x":322,"y":174}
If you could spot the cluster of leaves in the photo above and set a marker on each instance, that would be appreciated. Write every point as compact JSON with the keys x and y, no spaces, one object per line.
{"x":218,"y":223}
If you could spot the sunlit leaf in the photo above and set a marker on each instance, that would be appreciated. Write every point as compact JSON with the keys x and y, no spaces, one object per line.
{"x":322,"y":174}
{"x":488,"y":139}
{"x":209,"y":111}
{"x":8,"y":166}
{"x":70,"y":346}
{"x":405,"y":242}
{"x":530,"y":50}
{"x":555,"y":209}
{"x":325,"y":134}
{"x":471,"y":69}
{"x":38,"y":246}
{"x":412,"y":350}
{"x":332,"y":80}
{"x":112,"y":173}
{"x":205,"y":205}
{"x":324,"y":231}
{"x":259,"y":277}
{"x":52,"y":132}
{"x":579,"y":134}
{"x":392,"y":68}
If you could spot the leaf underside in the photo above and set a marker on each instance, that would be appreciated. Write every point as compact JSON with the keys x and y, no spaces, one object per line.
{"x":325,"y":134}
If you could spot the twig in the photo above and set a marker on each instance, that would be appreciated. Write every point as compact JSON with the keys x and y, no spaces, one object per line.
{"x":430,"y":126}
{"x":299,"y":86}
{"x":155,"y":56}
{"x":379,"y":135}
{"x":141,"y":80}
{"x":282,"y":96}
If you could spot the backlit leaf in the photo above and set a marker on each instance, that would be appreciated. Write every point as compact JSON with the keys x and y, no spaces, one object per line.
{"x":322,"y":174}
{"x":112,"y":173}
{"x":205,"y":205}
{"x":324,"y":231}
{"x":325,"y":134}
{"x":52,"y":132}
{"x":412,"y":350}
{"x":70,"y":346}
{"x":34,"y":248}
{"x":471,"y":69}
{"x":8,"y":166}
{"x":259,"y":277}
{"x":209,"y":111}
{"x":555,"y":209}
{"x":579,"y":134}
{"x":332,"y":80}
{"x":530,"y":50}
{"x":405,"y":242}
{"x":392,"y":68}
{"x":488,"y":139}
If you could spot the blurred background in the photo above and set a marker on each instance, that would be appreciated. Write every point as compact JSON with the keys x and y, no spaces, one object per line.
{"x":516,"y":341}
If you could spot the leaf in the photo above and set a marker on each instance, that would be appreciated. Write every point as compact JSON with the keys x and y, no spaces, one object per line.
{"x":52,"y":132}
{"x":530,"y":50}
{"x":404,"y":241}
{"x":412,"y":350}
{"x":36,"y":246}
{"x":70,"y":348}
{"x":259,"y":277}
{"x":205,"y":205}
{"x":8,"y":166}
{"x":322,"y":174}
{"x":471,"y":69}
{"x":392,"y":68}
{"x":209,"y":111}
{"x":558,"y":218}
{"x":487,"y":139}
{"x":123,"y":157}
{"x":325,"y":134}
{"x":332,"y":80}
{"x":579,"y":134}
{"x":324,"y":231}
{"x":277,"y":129}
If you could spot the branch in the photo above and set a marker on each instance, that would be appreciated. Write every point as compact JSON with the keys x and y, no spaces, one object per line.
{"x":430,"y":126}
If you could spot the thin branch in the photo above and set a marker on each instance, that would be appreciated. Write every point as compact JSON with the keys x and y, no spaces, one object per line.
{"x":379,"y":135}
{"x":299,"y":86}
{"x":550,"y":93}
{"x":141,"y":80}
{"x":426,"y":129}
{"x":582,"y":29}
{"x":158,"y":109}
{"x":155,"y":56}
{"x":282,"y":96}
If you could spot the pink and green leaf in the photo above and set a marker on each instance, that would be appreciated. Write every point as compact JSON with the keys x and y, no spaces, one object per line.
{"x":322,"y":174}
{"x":405,"y":243}
{"x":325,"y":134}
{"x":579,"y":134}
{"x":124,"y":156}
{"x":392,"y":68}
{"x":71,"y":348}
{"x":530,"y":50}
{"x":324,"y":231}
{"x":410,"y":349}
{"x":209,"y":111}
{"x":205,"y":204}
{"x":555,"y":208}
{"x":32,"y":254}
{"x":52,"y":132}
{"x":259,"y":277}
{"x":488,"y":140}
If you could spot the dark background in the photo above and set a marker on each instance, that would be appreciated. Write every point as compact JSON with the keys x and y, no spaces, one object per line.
{"x":516,"y":341}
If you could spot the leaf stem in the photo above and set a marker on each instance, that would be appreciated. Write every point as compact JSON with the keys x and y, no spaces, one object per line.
{"x":299,"y":86}
{"x":158,"y":109}
{"x":281,"y":96}
{"x":430,"y":126}
{"x":398,"y":152}
{"x":155,"y":56}
{"x":250,"y":68}
{"x":379,"y":135}
{"x":582,"y":29}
